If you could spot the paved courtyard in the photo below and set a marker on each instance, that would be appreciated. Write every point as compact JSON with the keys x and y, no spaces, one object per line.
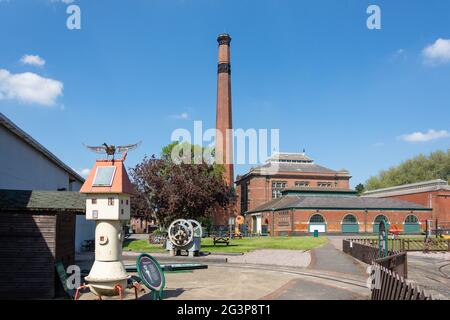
{"x":431,"y":271}
{"x":321,"y":273}
{"x":262,"y":274}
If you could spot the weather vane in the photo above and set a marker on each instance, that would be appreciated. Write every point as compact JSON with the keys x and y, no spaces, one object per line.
{"x":111,"y":150}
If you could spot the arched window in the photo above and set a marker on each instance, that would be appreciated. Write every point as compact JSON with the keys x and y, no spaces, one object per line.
{"x":411,"y":219}
{"x":350,"y":219}
{"x":380,"y":217}
{"x":317,"y":218}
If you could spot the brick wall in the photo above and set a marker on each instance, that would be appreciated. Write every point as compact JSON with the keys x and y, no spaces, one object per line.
{"x":439,"y":200}
{"x":254,"y":191}
{"x":295,"y":222}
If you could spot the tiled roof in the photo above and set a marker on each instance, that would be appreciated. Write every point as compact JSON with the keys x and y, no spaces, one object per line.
{"x":337,"y":202}
{"x":25,"y":200}
{"x":120,"y":183}
{"x":290,"y":163}
{"x":9,"y":125}
{"x":318,"y":190}
{"x":412,"y":188}
{"x":290,"y":156}
{"x":295,"y":167}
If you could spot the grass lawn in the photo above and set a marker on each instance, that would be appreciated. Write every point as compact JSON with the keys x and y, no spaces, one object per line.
{"x":238,"y":245}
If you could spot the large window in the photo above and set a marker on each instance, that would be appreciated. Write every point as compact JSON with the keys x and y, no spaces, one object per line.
{"x":317,"y":218}
{"x":302,"y":183}
{"x":379,"y":218}
{"x":279,"y":184}
{"x":276,"y":194}
{"x":350,"y":219}
{"x":324,"y":184}
{"x":411,"y":219}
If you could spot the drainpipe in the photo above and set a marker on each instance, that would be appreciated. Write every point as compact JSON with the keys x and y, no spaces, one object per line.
{"x":365,"y":221}
{"x":273,"y":222}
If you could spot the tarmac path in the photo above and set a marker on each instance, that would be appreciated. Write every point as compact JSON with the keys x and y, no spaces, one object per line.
{"x":324,"y":273}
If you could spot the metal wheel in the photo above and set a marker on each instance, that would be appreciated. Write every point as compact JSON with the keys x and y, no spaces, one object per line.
{"x":181,"y":232}
{"x":198,"y":231}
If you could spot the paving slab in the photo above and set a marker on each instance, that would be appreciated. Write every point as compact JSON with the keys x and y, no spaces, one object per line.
{"x":301,"y":289}
{"x":329,"y":258}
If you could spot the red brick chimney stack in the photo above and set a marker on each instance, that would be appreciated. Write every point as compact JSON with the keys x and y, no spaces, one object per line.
{"x":224,"y":142}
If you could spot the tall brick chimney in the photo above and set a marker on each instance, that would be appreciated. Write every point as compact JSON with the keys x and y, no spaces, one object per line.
{"x":224,"y":141}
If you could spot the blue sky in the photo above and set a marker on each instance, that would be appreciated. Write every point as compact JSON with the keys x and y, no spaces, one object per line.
{"x":139,"y":69}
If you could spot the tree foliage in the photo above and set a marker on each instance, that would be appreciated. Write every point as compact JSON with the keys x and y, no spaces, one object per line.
{"x":420,"y":168}
{"x":181,"y":190}
{"x":360,"y":188}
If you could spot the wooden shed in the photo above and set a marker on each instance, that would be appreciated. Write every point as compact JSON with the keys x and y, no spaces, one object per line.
{"x":37,"y":228}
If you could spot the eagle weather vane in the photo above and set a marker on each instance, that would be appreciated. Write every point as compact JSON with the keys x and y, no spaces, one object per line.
{"x":111,"y":150}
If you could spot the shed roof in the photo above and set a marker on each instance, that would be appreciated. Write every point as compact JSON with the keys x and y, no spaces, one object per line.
{"x":36,"y":200}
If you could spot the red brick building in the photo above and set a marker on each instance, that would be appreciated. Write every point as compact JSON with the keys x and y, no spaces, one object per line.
{"x":303,"y":210}
{"x":282,"y":171}
{"x":434,"y":194}
{"x":142,"y":224}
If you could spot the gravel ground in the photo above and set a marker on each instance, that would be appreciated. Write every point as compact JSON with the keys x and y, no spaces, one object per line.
{"x":292,"y":258}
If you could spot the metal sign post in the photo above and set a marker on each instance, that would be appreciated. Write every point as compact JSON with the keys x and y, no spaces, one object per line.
{"x":383,"y":231}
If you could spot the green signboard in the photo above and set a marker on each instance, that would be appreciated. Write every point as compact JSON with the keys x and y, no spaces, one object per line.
{"x":151,"y":274}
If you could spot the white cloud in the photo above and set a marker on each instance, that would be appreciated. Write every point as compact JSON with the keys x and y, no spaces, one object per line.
{"x":29,"y":87}
{"x":183,"y":115}
{"x":84,"y":172}
{"x":425,"y":136}
{"x":438,"y":52}
{"x":33,"y":60}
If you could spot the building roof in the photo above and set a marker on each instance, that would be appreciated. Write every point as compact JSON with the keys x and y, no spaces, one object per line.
{"x":345,"y":201}
{"x":13,"y":128}
{"x":120,"y":182}
{"x":35,"y":200}
{"x":292,"y":157}
{"x":291,"y":163}
{"x":411,"y":188}
{"x":319,"y":191}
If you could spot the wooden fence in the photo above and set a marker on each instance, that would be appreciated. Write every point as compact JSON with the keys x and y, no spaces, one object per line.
{"x":388,"y":273}
{"x":409,"y":244}
{"x":389,"y":285}
{"x":395,"y":262}
{"x":360,"y":251}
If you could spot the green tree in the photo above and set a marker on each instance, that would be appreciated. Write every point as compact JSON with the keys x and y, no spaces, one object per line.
{"x":360,"y":188}
{"x":175,"y":190}
{"x":420,"y":168}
